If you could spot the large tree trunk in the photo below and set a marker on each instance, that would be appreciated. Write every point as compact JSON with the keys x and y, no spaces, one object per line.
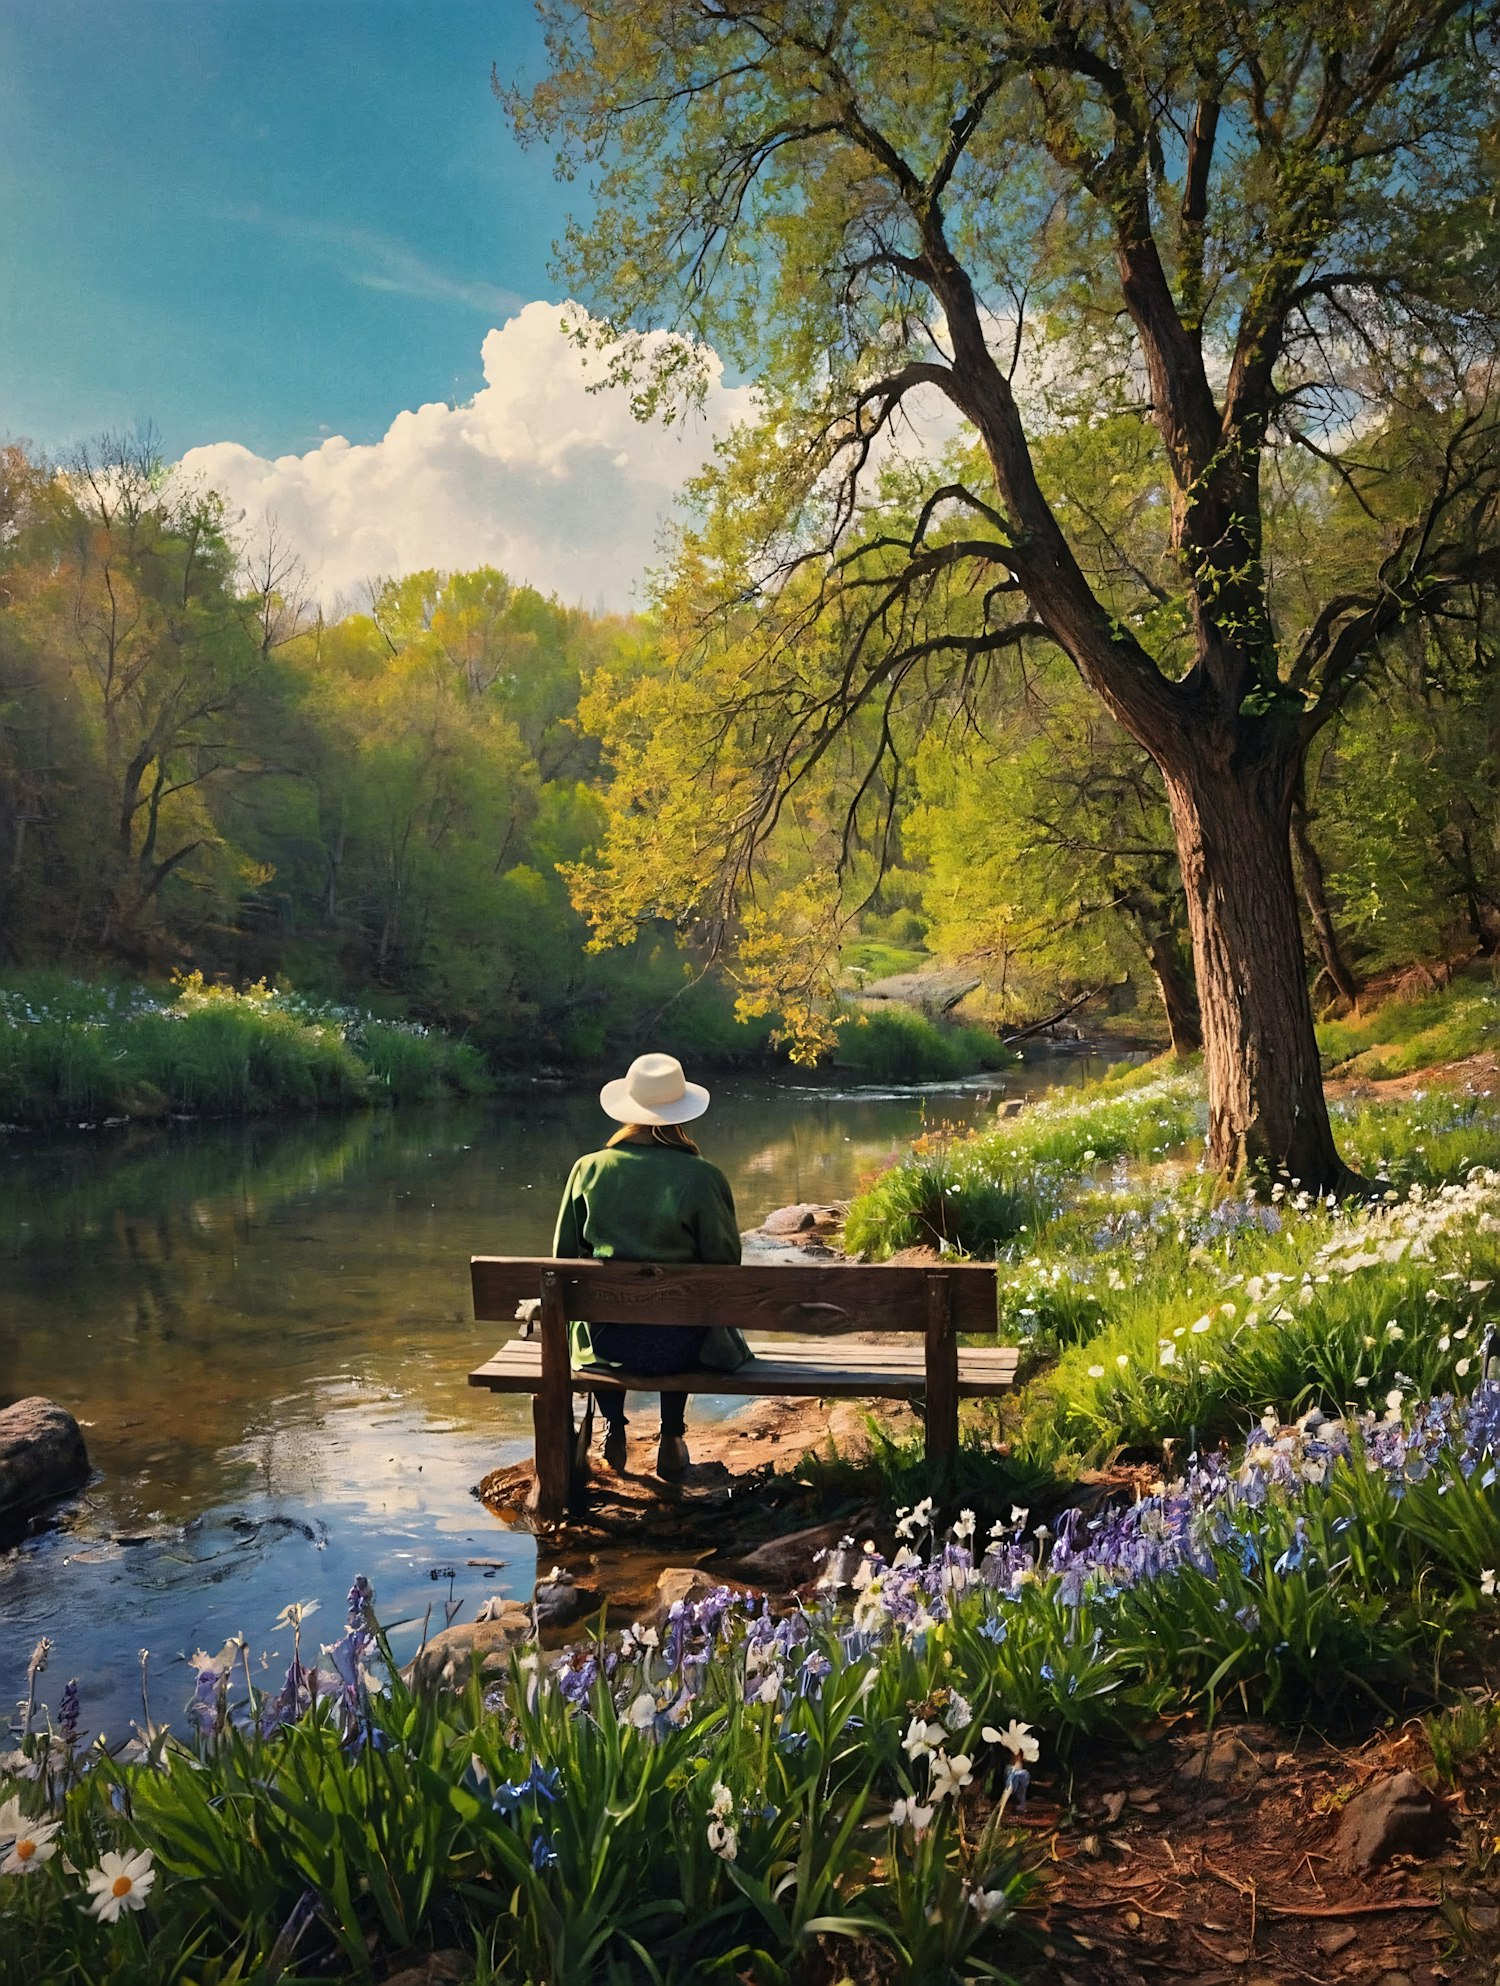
{"x":1231,"y":810}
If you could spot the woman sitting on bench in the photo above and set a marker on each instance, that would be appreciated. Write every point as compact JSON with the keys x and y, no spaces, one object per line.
{"x":648,"y":1196}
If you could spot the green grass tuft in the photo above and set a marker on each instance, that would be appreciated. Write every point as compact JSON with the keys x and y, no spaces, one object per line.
{"x":75,"y":1053}
{"x":898,"y":1045}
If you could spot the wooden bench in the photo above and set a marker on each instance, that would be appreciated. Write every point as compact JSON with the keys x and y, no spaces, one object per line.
{"x":821,"y":1303}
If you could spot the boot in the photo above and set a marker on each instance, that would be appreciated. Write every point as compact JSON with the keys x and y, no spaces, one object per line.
{"x":614,"y":1446}
{"x":672,"y":1457}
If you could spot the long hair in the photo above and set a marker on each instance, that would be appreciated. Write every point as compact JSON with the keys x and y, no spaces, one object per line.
{"x":672,"y":1136}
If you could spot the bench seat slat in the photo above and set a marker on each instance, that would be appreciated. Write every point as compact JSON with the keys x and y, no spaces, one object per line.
{"x":793,"y":1368}
{"x":799,"y":1298}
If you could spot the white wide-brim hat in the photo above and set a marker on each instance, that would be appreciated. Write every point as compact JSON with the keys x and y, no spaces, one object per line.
{"x":654,"y":1090}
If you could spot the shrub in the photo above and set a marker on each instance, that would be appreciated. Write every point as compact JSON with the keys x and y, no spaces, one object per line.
{"x":899,"y":1045}
{"x":70,"y":1052}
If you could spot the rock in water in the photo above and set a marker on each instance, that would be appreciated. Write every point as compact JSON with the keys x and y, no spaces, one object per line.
{"x":687,"y":1584}
{"x":801,"y":1219}
{"x":42,"y":1456}
{"x":445,"y":1661}
{"x":1392,"y":1816}
{"x":559,"y":1600}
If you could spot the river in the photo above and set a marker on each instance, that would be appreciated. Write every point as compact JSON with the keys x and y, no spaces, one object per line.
{"x":265,"y":1331}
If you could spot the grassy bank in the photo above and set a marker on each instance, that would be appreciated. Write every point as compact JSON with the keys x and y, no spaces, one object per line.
{"x":1157,"y":1308}
{"x":72,"y":1052}
{"x":1397,"y":1036}
{"x":899,"y":1045}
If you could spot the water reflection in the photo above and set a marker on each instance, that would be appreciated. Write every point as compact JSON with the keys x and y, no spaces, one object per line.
{"x":266,"y":1331}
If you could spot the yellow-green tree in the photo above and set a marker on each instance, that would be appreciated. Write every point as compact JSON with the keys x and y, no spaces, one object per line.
{"x":1260,"y":231}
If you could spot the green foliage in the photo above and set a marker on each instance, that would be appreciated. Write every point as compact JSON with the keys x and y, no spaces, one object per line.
{"x":374,"y":807}
{"x":976,"y":1192}
{"x":890,"y":1044}
{"x":70,"y":1052}
{"x":1398,"y":1036}
{"x":878,"y":958}
{"x":1461,"y":1734}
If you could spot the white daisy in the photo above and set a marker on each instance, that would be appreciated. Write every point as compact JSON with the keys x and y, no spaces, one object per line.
{"x":121,"y":1882}
{"x":33,"y":1845}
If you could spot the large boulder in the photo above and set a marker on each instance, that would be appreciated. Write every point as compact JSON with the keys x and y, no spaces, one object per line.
{"x":42,"y":1456}
{"x":799,"y":1556}
{"x":1395,"y":1815}
{"x":804,"y":1218}
{"x":445,"y":1661}
{"x":687,"y":1584}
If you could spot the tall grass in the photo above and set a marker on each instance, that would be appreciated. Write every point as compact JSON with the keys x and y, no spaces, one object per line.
{"x":74,"y":1053}
{"x":1400,"y":1036}
{"x":978,"y":1192}
{"x":899,"y":1045}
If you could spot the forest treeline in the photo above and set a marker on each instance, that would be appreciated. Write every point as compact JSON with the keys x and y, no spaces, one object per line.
{"x":200,"y":769}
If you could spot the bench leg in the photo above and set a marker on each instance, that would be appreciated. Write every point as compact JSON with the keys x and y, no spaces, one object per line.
{"x":552,"y":1408}
{"x":942,"y":1383}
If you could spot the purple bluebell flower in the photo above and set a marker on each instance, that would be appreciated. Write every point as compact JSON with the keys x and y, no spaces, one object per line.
{"x":542,"y":1857}
{"x":1291,"y":1559}
{"x":203,"y":1708}
{"x":810,"y":1676}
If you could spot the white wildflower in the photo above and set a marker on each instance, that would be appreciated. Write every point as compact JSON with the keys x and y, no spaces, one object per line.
{"x":911,"y":1813}
{"x":948,"y":1775}
{"x":922,"y":1739}
{"x":1016,"y":1739}
{"x":121,"y":1882}
{"x":33,"y":1845}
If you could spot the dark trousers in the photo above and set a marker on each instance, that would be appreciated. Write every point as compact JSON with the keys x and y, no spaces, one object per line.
{"x":644,"y":1349}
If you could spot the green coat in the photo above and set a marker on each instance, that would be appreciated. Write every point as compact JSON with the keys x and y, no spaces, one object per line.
{"x":648,"y":1203}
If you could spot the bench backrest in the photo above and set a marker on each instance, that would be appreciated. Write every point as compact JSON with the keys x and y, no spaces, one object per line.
{"x":754,"y":1296}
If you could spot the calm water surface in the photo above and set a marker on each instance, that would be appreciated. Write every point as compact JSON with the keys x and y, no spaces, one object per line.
{"x":265,"y":1330}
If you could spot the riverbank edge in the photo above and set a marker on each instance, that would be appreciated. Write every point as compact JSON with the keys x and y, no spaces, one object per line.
{"x":213,"y":1054}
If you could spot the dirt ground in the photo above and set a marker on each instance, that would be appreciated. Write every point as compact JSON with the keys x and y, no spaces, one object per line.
{"x":1214,"y":1859}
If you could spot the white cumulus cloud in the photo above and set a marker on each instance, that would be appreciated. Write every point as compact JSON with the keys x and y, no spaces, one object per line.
{"x":559,"y":487}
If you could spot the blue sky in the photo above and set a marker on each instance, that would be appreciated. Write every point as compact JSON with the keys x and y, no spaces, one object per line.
{"x":259,"y":220}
